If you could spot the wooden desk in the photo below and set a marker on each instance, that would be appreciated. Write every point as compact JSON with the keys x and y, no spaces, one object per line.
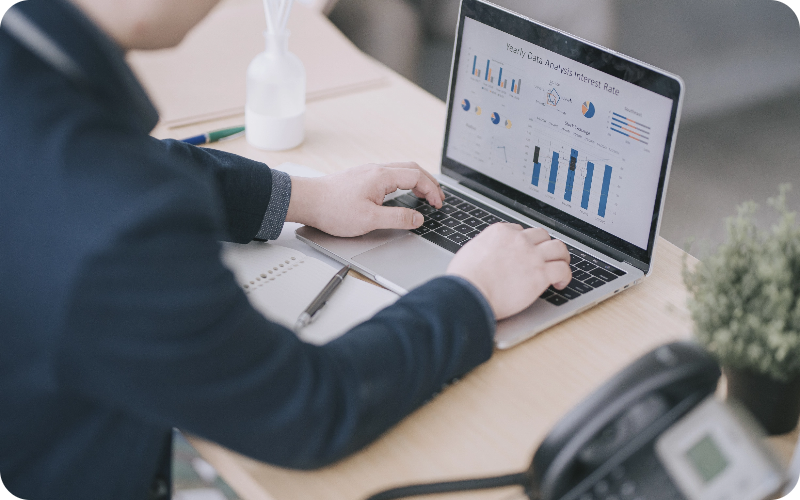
{"x":491,"y":421}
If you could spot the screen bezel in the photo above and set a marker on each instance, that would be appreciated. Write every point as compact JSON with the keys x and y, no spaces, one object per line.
{"x":585,"y":53}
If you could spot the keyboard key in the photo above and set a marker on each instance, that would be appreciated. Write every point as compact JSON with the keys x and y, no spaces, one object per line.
{"x":585,"y":266}
{"x":445,"y":231}
{"x":393,"y":203}
{"x":471,"y":234}
{"x":595,"y":282}
{"x":439,"y":216}
{"x":491,"y":219}
{"x":556,"y":299}
{"x":574,"y":259}
{"x":481,"y":227}
{"x":472,"y":221}
{"x":420,"y":230}
{"x":579,"y":287}
{"x":443,"y":242}
{"x":459,"y":216}
{"x":479,"y":213}
{"x":457,"y":237}
{"x":612,"y":269}
{"x":467,"y":207}
{"x":450,"y":197}
{"x":448,"y":209}
{"x":603,"y":274}
{"x":547,"y":293}
{"x":431,"y":224}
{"x":409,"y":200}
{"x":573,"y":268}
{"x":580,"y":275}
{"x":450,"y":222}
{"x":425,"y":209}
{"x":569,"y":293}
{"x":464,"y":229}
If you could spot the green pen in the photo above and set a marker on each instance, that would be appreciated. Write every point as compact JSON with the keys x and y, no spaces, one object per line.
{"x":213,"y":136}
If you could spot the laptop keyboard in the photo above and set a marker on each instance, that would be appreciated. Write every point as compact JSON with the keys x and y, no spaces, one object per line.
{"x":459,"y":220}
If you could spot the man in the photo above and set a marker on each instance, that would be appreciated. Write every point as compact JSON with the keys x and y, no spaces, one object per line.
{"x":118,"y":320}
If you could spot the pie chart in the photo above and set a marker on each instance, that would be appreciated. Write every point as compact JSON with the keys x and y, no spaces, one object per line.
{"x":465,"y":105}
{"x":477,"y":110}
{"x":587,"y":109}
{"x":495,"y":118}
{"x":508,"y":123}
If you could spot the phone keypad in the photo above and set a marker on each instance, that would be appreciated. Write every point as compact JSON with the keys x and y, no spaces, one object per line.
{"x":616,"y":486}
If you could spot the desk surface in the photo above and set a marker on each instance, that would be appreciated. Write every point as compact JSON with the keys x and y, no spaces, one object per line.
{"x":494,"y":418}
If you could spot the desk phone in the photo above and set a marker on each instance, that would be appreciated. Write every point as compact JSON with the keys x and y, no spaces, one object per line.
{"x":655,"y":431}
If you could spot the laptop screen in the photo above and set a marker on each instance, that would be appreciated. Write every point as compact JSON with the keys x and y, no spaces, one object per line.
{"x":570,"y":134}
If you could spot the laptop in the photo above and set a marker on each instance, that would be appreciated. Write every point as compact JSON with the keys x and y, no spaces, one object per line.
{"x":543,"y":129}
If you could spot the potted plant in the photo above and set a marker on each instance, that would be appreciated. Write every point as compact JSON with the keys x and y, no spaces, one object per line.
{"x":745,"y":303}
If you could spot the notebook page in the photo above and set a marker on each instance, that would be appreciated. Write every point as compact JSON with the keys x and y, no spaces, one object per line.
{"x":281,"y":282}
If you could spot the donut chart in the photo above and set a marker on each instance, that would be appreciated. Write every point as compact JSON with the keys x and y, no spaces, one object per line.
{"x":495,"y":118}
{"x":465,"y":105}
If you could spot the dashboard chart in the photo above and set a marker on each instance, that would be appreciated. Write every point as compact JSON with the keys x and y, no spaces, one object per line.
{"x":562,"y":138}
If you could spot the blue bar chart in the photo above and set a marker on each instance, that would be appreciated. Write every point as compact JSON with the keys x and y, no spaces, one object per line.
{"x":601,"y":211}
{"x":551,"y":184}
{"x":537,"y":167}
{"x":494,"y":73}
{"x":573,"y":163}
{"x":587,"y":185}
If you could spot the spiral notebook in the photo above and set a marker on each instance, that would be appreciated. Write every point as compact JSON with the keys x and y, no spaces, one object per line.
{"x":281,"y":282}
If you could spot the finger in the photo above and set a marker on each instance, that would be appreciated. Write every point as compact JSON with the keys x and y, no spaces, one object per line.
{"x":558,"y":273}
{"x":554,"y":250}
{"x":396,"y":218}
{"x":420,"y":194}
{"x":414,"y":179}
{"x":536,"y":235}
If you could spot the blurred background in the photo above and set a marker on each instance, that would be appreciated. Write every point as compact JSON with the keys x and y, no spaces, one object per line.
{"x":739,"y":137}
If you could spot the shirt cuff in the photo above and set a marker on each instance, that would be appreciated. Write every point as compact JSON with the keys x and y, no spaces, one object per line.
{"x":272,"y":225}
{"x":487,"y":309}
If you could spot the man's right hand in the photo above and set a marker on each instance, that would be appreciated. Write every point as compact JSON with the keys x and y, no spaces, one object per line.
{"x":512,"y":266}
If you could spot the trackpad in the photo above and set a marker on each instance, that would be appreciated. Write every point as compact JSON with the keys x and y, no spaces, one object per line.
{"x":408,"y":261}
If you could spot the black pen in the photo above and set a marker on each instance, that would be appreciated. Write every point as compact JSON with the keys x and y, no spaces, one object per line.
{"x":321,"y":299}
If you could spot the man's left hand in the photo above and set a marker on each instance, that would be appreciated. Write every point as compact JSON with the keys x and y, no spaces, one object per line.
{"x":349,"y":203}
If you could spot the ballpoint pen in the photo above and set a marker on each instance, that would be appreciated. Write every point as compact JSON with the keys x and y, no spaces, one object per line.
{"x":321,"y":299}
{"x":213,"y":136}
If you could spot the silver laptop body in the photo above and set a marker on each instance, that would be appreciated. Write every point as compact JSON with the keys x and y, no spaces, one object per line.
{"x":573,"y":137}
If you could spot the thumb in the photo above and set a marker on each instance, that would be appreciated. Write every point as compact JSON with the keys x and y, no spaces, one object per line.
{"x":397,"y":218}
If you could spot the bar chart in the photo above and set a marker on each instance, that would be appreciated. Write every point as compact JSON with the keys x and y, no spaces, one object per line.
{"x":576,"y":170}
{"x":630,"y":128}
{"x":492,"y":73}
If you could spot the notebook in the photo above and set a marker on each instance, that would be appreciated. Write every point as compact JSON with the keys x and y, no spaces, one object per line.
{"x":281,"y":282}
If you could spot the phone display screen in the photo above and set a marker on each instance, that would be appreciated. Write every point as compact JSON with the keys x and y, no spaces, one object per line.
{"x":707,"y":459}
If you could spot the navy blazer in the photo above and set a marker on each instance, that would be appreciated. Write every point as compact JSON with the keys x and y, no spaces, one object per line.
{"x":118,"y":321}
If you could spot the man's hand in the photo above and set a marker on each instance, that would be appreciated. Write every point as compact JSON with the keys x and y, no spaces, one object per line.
{"x":512,"y":266}
{"x":349,"y":203}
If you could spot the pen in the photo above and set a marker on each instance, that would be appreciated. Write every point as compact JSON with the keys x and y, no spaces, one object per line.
{"x":213,"y":136}
{"x":321,"y":299}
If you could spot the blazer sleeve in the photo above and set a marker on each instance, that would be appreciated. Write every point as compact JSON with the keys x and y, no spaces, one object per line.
{"x":245,"y":187}
{"x":156,"y":327}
